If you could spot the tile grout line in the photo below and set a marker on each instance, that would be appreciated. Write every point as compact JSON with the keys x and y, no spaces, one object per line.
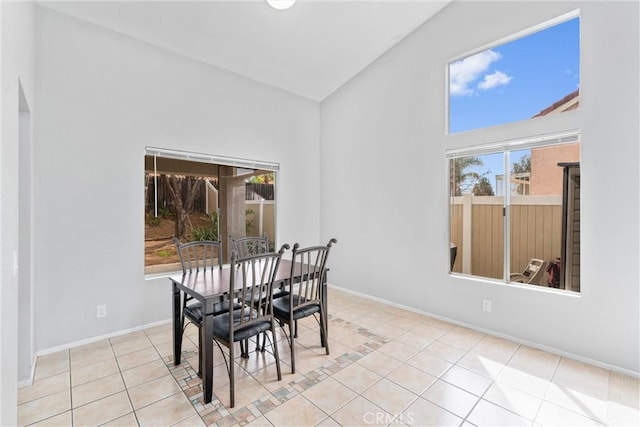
{"x":352,"y":355}
{"x":546,"y":392}
{"x":493,"y":381}
{"x":70,"y":388}
{"x":295,"y":391}
{"x":466,"y":352}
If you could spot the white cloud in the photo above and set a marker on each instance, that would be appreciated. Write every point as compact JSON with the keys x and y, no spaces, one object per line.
{"x":497,"y":78}
{"x":464,"y":72}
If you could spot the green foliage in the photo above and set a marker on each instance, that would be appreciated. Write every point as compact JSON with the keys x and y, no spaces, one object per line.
{"x":523,"y":165}
{"x":261,"y":179}
{"x":463,"y":178}
{"x":203,"y":233}
{"x":521,"y":171}
{"x":164,"y":253}
{"x":209,"y":232}
{"x":164,"y":212}
{"x":483,"y":187}
{"x":151,"y":220}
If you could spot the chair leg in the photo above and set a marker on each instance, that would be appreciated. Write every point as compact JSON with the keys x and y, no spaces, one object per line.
{"x":323,"y":331}
{"x":274,"y":344}
{"x":264,"y":341}
{"x":244,"y":349}
{"x":232,"y":369}
{"x":296,"y":334}
{"x":292,"y":341}
{"x":259,"y":347}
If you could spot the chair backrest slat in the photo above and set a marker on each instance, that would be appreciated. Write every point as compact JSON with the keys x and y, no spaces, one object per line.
{"x":199,"y":256}
{"x":256,"y":274}
{"x":310,"y":263}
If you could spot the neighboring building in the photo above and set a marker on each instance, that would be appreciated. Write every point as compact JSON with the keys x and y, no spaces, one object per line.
{"x":556,"y":171}
{"x":546,"y":175}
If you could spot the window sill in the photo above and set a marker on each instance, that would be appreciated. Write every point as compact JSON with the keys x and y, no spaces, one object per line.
{"x":529,"y":287}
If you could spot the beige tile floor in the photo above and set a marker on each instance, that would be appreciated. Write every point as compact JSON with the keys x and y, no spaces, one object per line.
{"x":387,"y":366}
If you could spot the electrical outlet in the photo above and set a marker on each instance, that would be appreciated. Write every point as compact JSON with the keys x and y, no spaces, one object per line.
{"x":486,"y":305}
{"x":101,"y":311}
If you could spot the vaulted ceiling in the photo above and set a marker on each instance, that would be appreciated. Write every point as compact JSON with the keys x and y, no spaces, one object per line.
{"x":310,"y":49}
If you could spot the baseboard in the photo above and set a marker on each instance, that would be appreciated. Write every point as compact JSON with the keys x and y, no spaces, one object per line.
{"x":539,"y":346}
{"x":29,"y":381}
{"x":99,"y":338}
{"x":517,"y":340}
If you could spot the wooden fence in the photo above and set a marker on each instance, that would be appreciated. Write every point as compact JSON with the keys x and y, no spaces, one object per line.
{"x":259,"y":191}
{"x":261,"y":218}
{"x":477,"y":228}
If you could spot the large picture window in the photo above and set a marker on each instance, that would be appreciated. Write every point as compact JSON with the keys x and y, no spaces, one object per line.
{"x":515,"y":205}
{"x":197,"y":197}
{"x":518,"y":208}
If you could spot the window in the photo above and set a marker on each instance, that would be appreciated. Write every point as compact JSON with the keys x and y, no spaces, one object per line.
{"x":524,"y":203}
{"x":515,"y":205}
{"x":532,"y":76}
{"x":198,"y":197}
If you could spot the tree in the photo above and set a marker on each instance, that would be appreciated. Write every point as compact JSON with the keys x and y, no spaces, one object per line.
{"x":483,"y":187}
{"x":183,"y":206}
{"x":461,"y":179}
{"x":523,"y":165}
{"x":265,"y":178}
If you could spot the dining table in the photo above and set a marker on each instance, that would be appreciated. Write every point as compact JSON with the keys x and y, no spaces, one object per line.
{"x":207,"y":287}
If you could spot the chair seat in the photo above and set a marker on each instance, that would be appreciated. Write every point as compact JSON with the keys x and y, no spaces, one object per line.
{"x":279,"y":293}
{"x":281,"y":308}
{"x":221,"y":326}
{"x":193,"y":312}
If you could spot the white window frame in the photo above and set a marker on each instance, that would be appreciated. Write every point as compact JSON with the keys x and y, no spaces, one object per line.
{"x":505,"y":148}
{"x":237,"y":162}
{"x":554,"y":129}
{"x":504,"y":40}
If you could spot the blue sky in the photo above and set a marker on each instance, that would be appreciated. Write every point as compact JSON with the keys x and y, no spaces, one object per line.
{"x":512,"y":82}
{"x":516,"y":80}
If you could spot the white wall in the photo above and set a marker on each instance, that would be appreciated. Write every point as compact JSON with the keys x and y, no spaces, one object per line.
{"x":17,"y":68}
{"x":385,"y":130}
{"x":102,"y":98}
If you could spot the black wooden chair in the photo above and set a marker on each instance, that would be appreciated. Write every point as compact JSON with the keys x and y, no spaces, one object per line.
{"x":255,"y":274}
{"x":197,"y":257}
{"x":247,"y":246}
{"x":305,"y":296}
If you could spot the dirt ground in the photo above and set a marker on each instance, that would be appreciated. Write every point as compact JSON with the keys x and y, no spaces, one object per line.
{"x":158,"y":247}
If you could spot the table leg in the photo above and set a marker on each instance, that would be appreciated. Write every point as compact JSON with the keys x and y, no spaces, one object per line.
{"x":177,"y":325}
{"x":206,"y":354}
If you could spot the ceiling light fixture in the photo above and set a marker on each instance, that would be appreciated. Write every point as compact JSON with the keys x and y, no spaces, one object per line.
{"x":281,"y":4}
